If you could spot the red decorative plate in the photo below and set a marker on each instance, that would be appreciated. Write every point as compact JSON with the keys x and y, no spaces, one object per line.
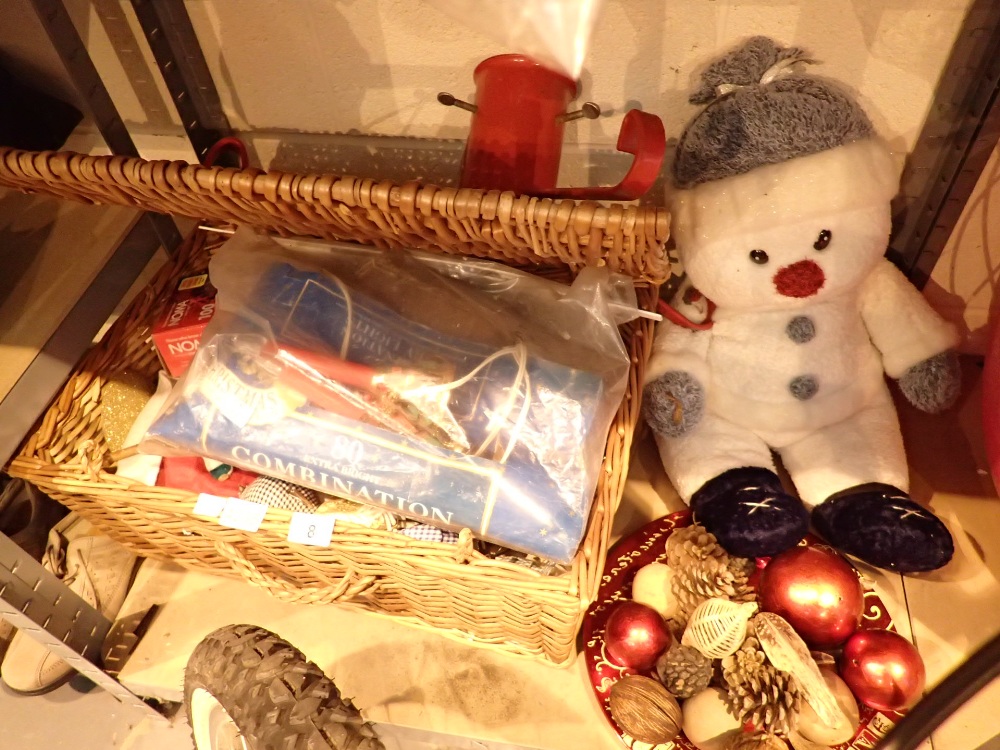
{"x":648,"y":545}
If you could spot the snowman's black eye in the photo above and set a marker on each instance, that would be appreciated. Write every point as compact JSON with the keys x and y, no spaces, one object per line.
{"x":759,"y":257}
{"x":823,"y":241}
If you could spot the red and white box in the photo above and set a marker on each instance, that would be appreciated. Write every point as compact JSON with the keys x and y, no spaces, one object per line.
{"x":177,"y":333}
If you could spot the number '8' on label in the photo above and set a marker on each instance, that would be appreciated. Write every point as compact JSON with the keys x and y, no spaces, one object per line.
{"x":310,"y":528}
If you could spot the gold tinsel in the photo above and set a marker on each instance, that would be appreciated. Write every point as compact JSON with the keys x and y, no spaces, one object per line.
{"x":123,"y":396}
{"x":352,"y":512}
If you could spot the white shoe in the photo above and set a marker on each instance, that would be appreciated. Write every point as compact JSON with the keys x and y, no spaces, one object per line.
{"x":98,"y":570}
{"x":26,"y":517}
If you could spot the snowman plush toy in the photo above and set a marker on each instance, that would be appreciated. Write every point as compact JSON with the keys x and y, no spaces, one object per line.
{"x":781,"y":220}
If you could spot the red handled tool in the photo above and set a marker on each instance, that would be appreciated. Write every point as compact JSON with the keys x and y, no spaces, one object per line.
{"x":354,"y":391}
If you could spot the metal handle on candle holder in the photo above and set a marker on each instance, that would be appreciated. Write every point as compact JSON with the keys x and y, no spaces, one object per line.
{"x":589,"y":110}
{"x":449,"y":100}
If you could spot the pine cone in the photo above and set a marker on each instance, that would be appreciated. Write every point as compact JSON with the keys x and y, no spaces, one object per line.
{"x":704,"y":570}
{"x":684,"y":670}
{"x":757,"y":692}
{"x":691,"y":542}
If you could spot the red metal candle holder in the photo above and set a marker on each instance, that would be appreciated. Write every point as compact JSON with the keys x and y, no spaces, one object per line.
{"x":516,"y":136}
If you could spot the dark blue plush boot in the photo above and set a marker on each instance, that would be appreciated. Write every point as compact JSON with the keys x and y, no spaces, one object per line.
{"x":749,"y":512}
{"x":881,"y":525}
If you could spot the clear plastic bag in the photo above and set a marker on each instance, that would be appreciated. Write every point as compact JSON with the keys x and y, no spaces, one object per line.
{"x":555,"y":32}
{"x":463,"y":393}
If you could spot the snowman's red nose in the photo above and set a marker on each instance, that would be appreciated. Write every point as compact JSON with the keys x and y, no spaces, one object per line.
{"x":802,"y":279}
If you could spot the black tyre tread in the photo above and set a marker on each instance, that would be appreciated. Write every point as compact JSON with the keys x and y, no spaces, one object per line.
{"x":279,"y":699}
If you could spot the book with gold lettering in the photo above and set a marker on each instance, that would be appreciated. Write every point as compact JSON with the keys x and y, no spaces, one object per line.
{"x":452,"y":391}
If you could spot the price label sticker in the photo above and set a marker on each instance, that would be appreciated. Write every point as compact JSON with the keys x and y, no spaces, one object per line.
{"x":192,"y":282}
{"x":209,"y":505}
{"x":310,"y":528}
{"x":242,"y":514}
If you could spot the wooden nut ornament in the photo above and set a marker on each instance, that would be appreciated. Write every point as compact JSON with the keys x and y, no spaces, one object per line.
{"x":651,"y":586}
{"x":644,"y":709}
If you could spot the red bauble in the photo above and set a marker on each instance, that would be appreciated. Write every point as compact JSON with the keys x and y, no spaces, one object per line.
{"x":882,"y":669}
{"x":816,"y":591}
{"x":635,"y":636}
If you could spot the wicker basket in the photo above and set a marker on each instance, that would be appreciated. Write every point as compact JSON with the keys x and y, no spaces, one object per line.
{"x":452,"y":589}
{"x":519,"y":230}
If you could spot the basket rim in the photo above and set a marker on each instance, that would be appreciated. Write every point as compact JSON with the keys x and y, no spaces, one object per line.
{"x":70,"y":475}
{"x":500,"y":224}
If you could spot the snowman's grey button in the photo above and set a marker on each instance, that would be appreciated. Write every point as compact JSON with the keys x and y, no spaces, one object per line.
{"x":801,"y":329}
{"x":804,"y":387}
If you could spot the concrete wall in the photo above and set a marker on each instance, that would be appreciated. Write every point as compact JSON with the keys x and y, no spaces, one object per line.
{"x":26,"y":52}
{"x":375,"y":66}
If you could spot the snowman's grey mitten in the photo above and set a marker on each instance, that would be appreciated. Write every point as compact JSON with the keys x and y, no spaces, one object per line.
{"x":934,"y":384}
{"x":673,"y":403}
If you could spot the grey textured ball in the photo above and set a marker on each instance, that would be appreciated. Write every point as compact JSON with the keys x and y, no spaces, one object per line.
{"x":934,"y":384}
{"x":804,"y":387}
{"x":684,"y":670}
{"x":673,"y":403}
{"x":801,"y":329}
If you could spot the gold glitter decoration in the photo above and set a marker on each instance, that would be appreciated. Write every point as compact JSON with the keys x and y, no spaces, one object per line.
{"x":352,"y":512}
{"x":122,"y":398}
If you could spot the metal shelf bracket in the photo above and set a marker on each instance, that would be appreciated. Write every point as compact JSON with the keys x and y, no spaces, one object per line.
{"x":36,"y":602}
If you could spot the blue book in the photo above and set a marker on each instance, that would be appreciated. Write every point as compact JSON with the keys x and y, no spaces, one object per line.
{"x":505,"y":455}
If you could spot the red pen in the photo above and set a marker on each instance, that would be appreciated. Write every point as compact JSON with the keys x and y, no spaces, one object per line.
{"x":327,"y":380}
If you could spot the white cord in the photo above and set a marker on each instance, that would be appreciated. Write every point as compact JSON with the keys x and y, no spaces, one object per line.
{"x":348,"y":302}
{"x":520,"y":354}
{"x":780,"y":68}
{"x":518,"y":351}
{"x":521,"y":419}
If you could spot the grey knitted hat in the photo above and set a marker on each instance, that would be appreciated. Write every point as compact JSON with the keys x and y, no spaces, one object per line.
{"x":756,"y":116}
